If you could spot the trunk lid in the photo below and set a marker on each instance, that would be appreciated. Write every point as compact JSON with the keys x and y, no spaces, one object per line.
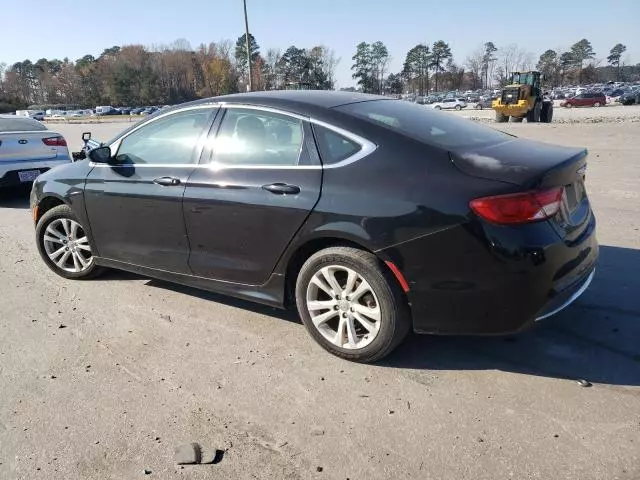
{"x":536,"y":166}
{"x":20,"y":146}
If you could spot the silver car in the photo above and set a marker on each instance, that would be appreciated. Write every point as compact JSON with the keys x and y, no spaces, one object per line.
{"x":27,"y":149}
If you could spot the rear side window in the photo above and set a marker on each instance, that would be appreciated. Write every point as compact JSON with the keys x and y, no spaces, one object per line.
{"x":425,"y":124}
{"x":334,"y":147}
{"x":20,"y":125}
{"x":256,"y":137}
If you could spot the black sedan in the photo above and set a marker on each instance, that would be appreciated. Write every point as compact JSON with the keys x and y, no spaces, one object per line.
{"x":373,"y":216}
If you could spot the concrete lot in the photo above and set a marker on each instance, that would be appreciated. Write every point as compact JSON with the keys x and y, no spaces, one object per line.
{"x":142,"y":366}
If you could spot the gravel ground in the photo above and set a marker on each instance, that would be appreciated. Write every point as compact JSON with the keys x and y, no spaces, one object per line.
{"x":605,"y":114}
{"x":103,"y":379}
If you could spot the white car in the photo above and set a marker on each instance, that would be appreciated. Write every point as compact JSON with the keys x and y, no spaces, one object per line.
{"x":27,"y":149}
{"x":450,"y":103}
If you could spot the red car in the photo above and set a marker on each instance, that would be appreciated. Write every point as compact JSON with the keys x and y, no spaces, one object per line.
{"x":586,"y":99}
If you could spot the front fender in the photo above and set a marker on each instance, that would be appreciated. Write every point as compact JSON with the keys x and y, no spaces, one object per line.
{"x":64,"y":184}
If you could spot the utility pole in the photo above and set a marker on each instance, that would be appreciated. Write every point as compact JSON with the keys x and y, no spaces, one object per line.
{"x":246,"y":27}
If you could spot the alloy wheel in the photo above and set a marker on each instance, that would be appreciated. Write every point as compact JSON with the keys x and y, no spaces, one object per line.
{"x":343,"y":307}
{"x":67,"y":246}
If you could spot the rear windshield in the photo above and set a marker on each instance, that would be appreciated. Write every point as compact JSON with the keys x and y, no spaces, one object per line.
{"x":443,"y":129}
{"x":20,"y":124}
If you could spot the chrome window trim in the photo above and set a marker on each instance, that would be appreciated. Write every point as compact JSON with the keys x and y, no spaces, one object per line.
{"x":367,"y":149}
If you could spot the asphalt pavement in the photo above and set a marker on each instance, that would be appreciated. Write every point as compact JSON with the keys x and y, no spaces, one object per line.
{"x":104,"y":379}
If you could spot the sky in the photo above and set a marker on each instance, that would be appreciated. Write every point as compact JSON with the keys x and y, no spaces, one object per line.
{"x":74,"y":28}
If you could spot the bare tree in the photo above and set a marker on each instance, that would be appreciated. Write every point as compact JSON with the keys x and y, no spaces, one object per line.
{"x":474,"y":63}
{"x":330,"y":62}
{"x":273,"y":82}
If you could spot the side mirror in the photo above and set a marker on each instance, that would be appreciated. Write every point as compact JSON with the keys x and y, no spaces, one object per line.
{"x":86,"y":136}
{"x":100,"y":155}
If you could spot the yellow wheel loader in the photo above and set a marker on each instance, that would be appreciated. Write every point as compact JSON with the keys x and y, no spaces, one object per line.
{"x":523,"y":98}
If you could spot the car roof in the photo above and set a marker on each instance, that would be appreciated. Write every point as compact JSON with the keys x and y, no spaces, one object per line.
{"x":304,"y":102}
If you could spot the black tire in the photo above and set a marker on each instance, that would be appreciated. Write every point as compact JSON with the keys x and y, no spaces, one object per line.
{"x":501,"y":117}
{"x":533,"y":116}
{"x":547,"y":112}
{"x":517,"y":119}
{"x":478,"y":106}
{"x":395,"y":320}
{"x":458,"y":107}
{"x":437,"y":107}
{"x":62,"y":212}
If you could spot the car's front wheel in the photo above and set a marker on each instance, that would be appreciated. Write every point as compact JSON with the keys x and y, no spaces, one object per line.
{"x":64,"y":246}
{"x":351,"y":305}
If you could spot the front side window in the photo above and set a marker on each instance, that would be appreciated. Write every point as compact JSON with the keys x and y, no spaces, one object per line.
{"x":255,"y":137}
{"x":169,"y":140}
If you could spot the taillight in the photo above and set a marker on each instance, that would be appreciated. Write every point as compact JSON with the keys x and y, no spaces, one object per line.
{"x":54,"y":142}
{"x":519,"y":207}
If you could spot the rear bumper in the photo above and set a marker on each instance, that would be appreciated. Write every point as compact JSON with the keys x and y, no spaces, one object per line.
{"x":565,"y":298}
{"x":479,"y":279}
{"x":9,"y":170}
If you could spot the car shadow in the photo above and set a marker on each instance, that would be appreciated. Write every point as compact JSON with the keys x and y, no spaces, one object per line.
{"x":288,"y":315}
{"x":595,"y":339}
{"x":15,"y":197}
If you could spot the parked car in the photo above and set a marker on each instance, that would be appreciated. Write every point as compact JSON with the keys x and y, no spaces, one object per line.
{"x":136,"y":111}
{"x":28,"y":148}
{"x":35,"y":114}
{"x":148,"y":111}
{"x":456,"y":244}
{"x":448,"y":103}
{"x":630,"y":98}
{"x":106,"y":110}
{"x":125,"y":110}
{"x":484,"y":102}
{"x":586,"y":99}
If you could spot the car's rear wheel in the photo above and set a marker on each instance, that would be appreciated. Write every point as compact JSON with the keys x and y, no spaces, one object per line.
{"x":478,"y":106}
{"x":63,"y":244}
{"x":458,"y":107}
{"x":597,"y":104}
{"x":568,"y":105}
{"x":351,"y":305}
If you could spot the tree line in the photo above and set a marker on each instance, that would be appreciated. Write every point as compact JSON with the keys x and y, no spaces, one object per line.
{"x":169,"y":74}
{"x":428,"y":68}
{"x":162,"y":74}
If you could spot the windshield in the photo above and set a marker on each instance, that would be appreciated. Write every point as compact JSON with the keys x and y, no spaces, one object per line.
{"x":436,"y":128}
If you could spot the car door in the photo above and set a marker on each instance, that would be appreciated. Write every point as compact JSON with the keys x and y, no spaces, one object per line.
{"x":586,"y":99}
{"x":448,"y":103}
{"x":134,"y":204}
{"x":258,"y":181}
